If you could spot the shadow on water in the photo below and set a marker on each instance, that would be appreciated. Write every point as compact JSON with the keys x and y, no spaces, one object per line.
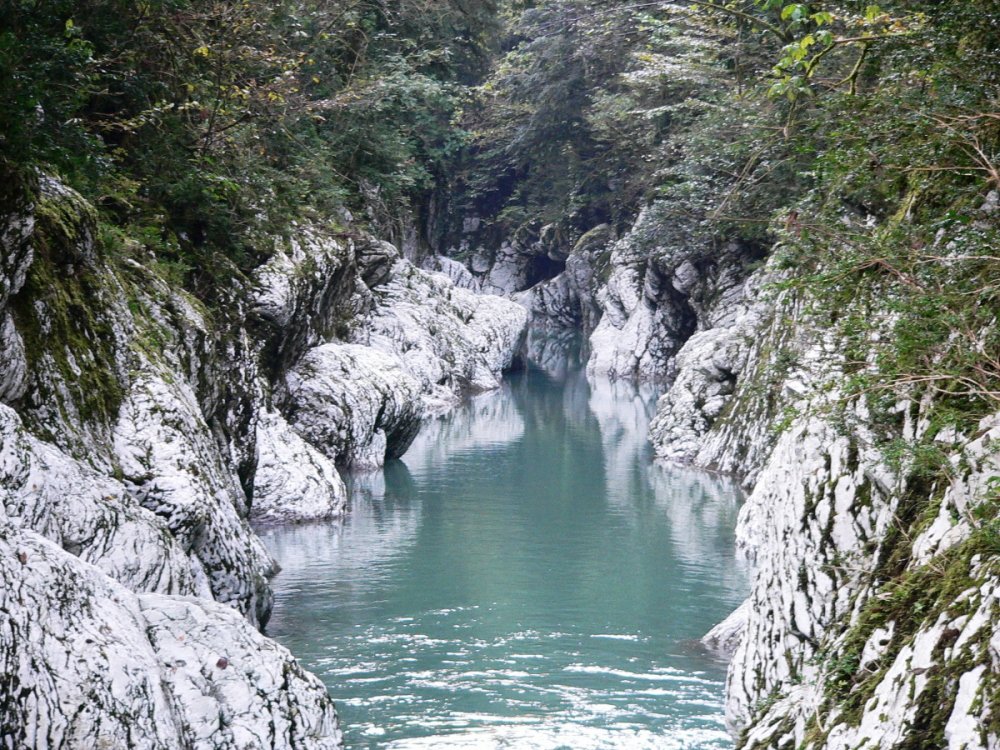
{"x":525,"y":577}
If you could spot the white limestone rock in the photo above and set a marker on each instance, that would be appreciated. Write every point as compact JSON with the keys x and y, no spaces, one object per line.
{"x":624,"y":343}
{"x":423,"y":344}
{"x":644,"y":320}
{"x":302,"y":293}
{"x":376,"y":260}
{"x":975,"y":466}
{"x":449,"y":338}
{"x":724,"y":638}
{"x":69,"y":221}
{"x":709,"y":367}
{"x":309,"y":261}
{"x":230,"y":687}
{"x":812,"y":526}
{"x":77,"y":360}
{"x":173,"y":467}
{"x":657,"y":294}
{"x":90,"y":516}
{"x":77,"y":669}
{"x":16,"y":250}
{"x":86,"y":663}
{"x":455,"y":271}
{"x":963,"y":645}
{"x":355,"y":404}
{"x":16,"y":254}
{"x":13,"y":361}
{"x":294,"y":481}
{"x":553,"y":302}
{"x":508,"y":270}
{"x":568,"y":300}
{"x":822,"y":505}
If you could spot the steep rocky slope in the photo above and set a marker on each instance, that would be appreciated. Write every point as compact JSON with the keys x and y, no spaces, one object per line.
{"x":809,"y":273}
{"x":140,"y":432}
{"x":872,"y":620}
{"x":871,"y":516}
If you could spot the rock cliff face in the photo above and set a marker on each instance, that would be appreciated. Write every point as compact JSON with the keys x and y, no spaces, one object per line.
{"x":872,"y":620}
{"x":873,"y":616}
{"x":141,"y":431}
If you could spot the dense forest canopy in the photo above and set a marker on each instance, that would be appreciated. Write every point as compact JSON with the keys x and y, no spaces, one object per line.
{"x":217,"y":122}
{"x":205,"y":127}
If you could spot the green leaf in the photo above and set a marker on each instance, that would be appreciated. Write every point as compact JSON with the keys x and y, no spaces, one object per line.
{"x":795,"y":11}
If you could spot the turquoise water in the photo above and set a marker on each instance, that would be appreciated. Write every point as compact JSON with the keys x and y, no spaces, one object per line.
{"x":523,"y":578}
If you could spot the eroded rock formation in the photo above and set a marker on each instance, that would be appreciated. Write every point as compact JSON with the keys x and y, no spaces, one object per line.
{"x":141,"y":432}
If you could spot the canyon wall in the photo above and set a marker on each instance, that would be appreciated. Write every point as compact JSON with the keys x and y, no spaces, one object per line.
{"x":141,"y":432}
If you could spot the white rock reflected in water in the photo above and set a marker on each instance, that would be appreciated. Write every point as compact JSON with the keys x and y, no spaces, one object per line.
{"x":523,"y":578}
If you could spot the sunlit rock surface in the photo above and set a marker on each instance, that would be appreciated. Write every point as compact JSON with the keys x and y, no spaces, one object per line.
{"x":294,"y":481}
{"x":172,"y":466}
{"x":87,"y":663}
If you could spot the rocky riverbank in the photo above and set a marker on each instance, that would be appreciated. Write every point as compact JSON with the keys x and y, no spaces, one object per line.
{"x":873,"y":613}
{"x":140,"y":435}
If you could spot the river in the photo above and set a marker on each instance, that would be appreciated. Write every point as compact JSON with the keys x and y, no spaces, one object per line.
{"x":524,"y":578}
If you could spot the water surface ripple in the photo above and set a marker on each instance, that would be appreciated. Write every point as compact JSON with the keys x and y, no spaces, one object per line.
{"x":524,"y":578}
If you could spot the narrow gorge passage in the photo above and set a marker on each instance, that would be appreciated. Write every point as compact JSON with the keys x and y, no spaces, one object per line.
{"x":525,"y":577}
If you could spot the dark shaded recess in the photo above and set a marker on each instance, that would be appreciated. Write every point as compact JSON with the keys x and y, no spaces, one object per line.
{"x":226,"y":398}
{"x":544,"y":268}
{"x":399,"y":440}
{"x":315,"y":318}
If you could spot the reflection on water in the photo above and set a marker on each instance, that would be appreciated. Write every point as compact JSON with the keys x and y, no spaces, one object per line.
{"x":524,"y":578}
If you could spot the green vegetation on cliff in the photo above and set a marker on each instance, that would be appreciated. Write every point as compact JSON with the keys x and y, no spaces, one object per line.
{"x":205,"y":127}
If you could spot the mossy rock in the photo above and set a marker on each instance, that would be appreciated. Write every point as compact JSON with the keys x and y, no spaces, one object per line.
{"x":65,"y":225}
{"x":66,"y":316}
